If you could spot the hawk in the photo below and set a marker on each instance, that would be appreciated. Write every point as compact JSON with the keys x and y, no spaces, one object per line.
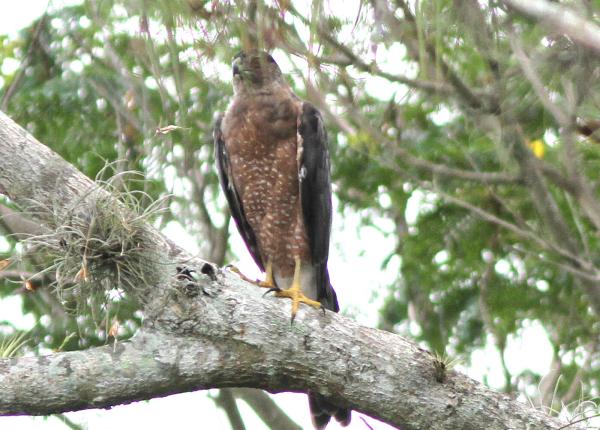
{"x":273,"y":164}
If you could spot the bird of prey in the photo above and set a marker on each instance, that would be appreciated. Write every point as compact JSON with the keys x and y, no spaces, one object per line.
{"x":273,"y":164}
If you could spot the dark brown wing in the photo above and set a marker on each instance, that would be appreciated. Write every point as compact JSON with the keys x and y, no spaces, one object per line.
{"x":236,"y":206}
{"x":315,"y":195}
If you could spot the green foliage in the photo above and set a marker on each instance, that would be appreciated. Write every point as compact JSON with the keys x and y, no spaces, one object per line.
{"x":478,"y":258}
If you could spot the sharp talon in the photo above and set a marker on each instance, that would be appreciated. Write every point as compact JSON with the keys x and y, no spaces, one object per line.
{"x":292,"y":321}
{"x":271,"y":290}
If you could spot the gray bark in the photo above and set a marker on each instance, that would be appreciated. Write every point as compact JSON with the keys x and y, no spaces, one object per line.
{"x":219,"y":331}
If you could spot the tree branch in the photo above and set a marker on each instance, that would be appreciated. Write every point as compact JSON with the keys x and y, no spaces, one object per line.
{"x":589,"y":274}
{"x":562,"y":20}
{"x":219,"y":341}
{"x":395,"y":151}
{"x":264,"y":406}
{"x":463,"y":90}
{"x":218,"y":331}
{"x":226,"y":401}
{"x":549,"y":211}
{"x":15,"y":224}
{"x":561,"y":117}
{"x":350,"y":58}
{"x":566,"y":120}
{"x":18,"y":79}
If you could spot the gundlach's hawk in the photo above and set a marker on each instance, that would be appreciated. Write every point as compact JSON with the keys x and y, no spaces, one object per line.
{"x":273,"y":163}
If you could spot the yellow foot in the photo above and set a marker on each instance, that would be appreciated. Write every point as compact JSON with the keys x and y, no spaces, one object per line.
{"x":297,"y":297}
{"x":295,"y":292}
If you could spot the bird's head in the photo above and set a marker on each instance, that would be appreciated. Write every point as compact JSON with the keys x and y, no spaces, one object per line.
{"x":254,"y":70}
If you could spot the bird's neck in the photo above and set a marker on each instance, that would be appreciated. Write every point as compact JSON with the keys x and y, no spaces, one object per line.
{"x":267,"y":90}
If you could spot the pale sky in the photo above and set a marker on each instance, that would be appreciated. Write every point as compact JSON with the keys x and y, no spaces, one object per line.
{"x":356,"y":290}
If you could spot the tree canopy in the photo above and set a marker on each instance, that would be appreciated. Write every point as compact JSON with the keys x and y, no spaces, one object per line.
{"x":466,"y":131}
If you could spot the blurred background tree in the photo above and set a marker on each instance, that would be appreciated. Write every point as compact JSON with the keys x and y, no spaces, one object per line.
{"x":465,"y":133}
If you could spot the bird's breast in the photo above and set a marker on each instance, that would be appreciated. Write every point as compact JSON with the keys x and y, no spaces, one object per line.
{"x":261,"y":140}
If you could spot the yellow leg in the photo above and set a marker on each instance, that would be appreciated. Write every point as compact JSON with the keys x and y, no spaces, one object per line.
{"x":295,"y":292}
{"x":267,"y":283}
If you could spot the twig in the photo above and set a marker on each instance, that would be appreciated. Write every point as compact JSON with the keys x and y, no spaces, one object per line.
{"x":68,"y":422}
{"x":562,"y":266}
{"x":462,"y":89}
{"x":519,"y":231}
{"x":434,"y":168}
{"x":353,"y":59}
{"x":266,"y":408}
{"x":443,"y":170}
{"x":528,"y":69}
{"x":580,"y":420}
{"x":18,"y":225}
{"x":585,"y":195}
{"x":16,"y":82}
{"x":366,"y":423}
{"x":561,"y":19}
{"x":487,"y":317}
{"x":585,"y":367}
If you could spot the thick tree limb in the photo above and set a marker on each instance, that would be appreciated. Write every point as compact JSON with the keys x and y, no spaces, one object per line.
{"x":218,"y":331}
{"x":234,"y":337}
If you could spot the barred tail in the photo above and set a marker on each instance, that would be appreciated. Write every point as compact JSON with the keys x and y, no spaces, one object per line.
{"x":321,"y":410}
